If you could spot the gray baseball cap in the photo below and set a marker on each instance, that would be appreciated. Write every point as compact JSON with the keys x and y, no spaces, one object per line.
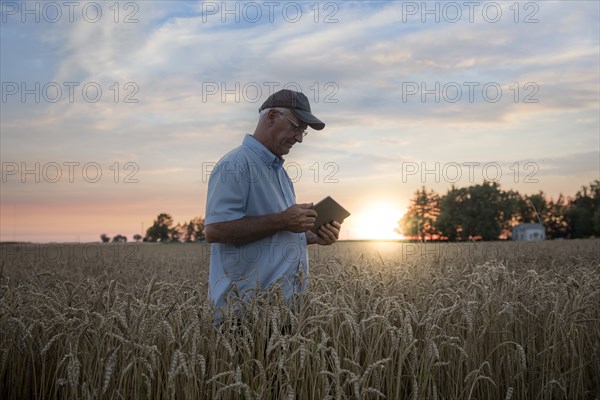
{"x":297,"y":103}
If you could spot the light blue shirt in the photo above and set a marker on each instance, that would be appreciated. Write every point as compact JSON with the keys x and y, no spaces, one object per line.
{"x":251,"y":181}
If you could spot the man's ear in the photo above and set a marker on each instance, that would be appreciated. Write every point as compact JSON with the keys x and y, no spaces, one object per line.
{"x":271,"y":116}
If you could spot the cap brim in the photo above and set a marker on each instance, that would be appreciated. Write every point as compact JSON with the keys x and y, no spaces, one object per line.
{"x":308,"y":119}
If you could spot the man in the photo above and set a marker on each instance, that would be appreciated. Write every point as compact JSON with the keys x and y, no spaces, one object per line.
{"x":258,"y":234}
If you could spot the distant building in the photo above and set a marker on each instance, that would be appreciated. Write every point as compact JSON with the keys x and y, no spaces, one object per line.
{"x":529,"y":232}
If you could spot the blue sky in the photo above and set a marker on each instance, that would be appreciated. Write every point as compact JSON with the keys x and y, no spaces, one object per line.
{"x":510,"y":87}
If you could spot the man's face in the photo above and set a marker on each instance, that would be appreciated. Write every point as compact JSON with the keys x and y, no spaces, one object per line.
{"x":288,"y":131}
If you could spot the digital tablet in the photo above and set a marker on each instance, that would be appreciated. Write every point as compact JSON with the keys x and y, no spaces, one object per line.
{"x":329,"y":210}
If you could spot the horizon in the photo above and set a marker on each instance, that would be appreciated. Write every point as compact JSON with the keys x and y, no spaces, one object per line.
{"x":391,"y":236}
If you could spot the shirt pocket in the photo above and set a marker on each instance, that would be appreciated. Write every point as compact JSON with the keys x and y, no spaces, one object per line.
{"x":232,"y":261}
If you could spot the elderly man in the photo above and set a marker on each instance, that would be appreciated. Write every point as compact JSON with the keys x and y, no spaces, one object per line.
{"x":258,"y":234}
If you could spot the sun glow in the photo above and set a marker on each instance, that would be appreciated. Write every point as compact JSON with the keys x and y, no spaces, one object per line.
{"x":377,"y":221}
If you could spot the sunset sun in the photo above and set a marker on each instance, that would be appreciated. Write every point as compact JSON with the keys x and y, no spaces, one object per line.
{"x":377,"y":221}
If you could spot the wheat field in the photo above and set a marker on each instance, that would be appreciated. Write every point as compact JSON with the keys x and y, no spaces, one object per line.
{"x":378,"y":321}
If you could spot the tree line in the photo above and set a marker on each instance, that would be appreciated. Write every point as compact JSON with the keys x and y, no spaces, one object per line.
{"x":163,"y":230}
{"x":478,"y":212}
{"x":486,"y":212}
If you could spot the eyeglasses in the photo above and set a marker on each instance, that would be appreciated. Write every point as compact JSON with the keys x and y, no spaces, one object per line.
{"x":296,"y":128}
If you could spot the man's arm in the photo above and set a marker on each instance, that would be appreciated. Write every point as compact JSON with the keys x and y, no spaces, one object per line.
{"x":298,"y":218}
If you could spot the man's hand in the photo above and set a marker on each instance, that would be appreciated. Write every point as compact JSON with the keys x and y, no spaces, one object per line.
{"x":299,"y":217}
{"x":328,"y":234}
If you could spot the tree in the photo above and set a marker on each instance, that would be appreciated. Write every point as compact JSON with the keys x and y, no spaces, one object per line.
{"x":137,"y":237}
{"x":193,"y":230}
{"x":531,"y":207}
{"x":555,"y":220}
{"x":596,"y":221}
{"x":105,"y":239}
{"x":580,"y":222}
{"x":421,"y":215}
{"x":177,"y":232}
{"x":595,"y":195}
{"x":482,"y":212}
{"x":509,"y":211}
{"x":474,"y":212}
{"x":581,"y":211}
{"x":161,"y":229}
{"x":449,"y":220}
{"x":120,"y":239}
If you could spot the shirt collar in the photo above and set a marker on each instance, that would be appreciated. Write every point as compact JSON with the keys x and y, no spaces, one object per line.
{"x":265,"y":155}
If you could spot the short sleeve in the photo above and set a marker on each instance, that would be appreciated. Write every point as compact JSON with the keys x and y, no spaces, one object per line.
{"x":227,"y":192}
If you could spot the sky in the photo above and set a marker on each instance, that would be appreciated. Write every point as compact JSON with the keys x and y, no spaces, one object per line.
{"x":114,"y":112}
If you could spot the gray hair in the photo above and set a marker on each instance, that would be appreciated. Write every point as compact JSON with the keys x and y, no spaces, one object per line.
{"x":264,"y":112}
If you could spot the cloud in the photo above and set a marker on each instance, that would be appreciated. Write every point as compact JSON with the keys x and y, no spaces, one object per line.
{"x":574,"y":164}
{"x":199,"y":82}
